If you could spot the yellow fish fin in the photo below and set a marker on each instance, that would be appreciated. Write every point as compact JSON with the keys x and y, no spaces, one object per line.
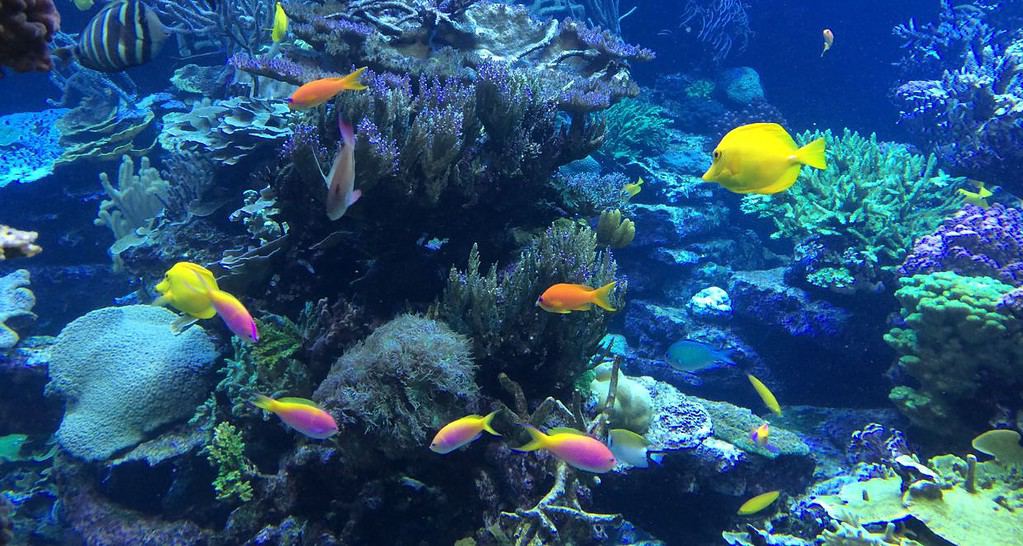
{"x":785,"y":182}
{"x":813,"y":155}
{"x":602,"y":296}
{"x":763,"y":131}
{"x":166,"y":298}
{"x":758,"y":503}
{"x":301,"y":401}
{"x":566,"y":430}
{"x":487,"y":420}
{"x":182,"y":323}
{"x":538,"y":441}
{"x":263,"y":402}
{"x":351,"y":81}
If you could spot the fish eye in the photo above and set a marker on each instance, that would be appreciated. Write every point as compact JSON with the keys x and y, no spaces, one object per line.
{"x":717,"y":154}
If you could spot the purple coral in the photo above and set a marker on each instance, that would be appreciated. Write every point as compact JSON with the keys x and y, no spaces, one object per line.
{"x":983,"y":242}
{"x":605,"y":42}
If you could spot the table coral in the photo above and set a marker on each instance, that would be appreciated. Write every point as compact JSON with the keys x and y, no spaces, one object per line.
{"x":124,"y":374}
{"x":874,"y":198}
{"x":956,"y":344}
{"x":26,"y":28}
{"x":16,"y":302}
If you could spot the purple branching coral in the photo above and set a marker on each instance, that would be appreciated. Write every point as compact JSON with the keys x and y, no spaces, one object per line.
{"x":606,"y":42}
{"x":974,"y":242}
{"x":964,"y":93}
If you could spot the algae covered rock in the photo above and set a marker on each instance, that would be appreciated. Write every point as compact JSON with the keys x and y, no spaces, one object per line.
{"x":16,"y":303}
{"x":123,"y":374}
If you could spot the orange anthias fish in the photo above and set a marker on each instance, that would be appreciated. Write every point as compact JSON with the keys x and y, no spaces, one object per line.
{"x":461,"y":432}
{"x":300,"y":414}
{"x":572,"y":446}
{"x":829,"y":39}
{"x":341,"y":192}
{"x":564,"y":298}
{"x":320,"y":91}
{"x":192,"y":289}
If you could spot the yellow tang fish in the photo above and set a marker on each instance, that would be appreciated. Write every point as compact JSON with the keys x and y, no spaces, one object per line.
{"x":280,"y":27}
{"x":979,"y":197}
{"x":758,"y":503}
{"x":192,"y":289}
{"x":762,"y":158}
{"x":765,"y":394}
{"x":633,"y":188}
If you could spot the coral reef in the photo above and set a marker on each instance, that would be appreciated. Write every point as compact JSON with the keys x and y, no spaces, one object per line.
{"x":26,"y":28}
{"x":271,"y":367}
{"x":870,"y":204}
{"x":509,"y":331}
{"x":106,"y":125}
{"x":408,"y":378}
{"x":613,"y":230}
{"x":226,"y":452}
{"x":15,"y":243}
{"x":633,"y":129}
{"x":16,"y":303}
{"x":123,"y":374}
{"x":30,"y":143}
{"x":718,"y":25}
{"x":955,"y":344}
{"x":227,"y":131}
{"x":133,"y":205}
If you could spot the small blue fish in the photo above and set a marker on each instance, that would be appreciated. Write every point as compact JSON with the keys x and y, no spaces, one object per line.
{"x":693,"y":356}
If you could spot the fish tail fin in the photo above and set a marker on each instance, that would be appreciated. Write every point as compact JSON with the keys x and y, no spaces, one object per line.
{"x":347,"y":131}
{"x":487,"y":420}
{"x":351,"y":82}
{"x":602,"y":296}
{"x":538,"y":441}
{"x":263,"y":402}
{"x":813,"y":155}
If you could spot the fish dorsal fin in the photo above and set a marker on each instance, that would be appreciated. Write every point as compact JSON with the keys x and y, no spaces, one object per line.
{"x":296,"y":400}
{"x":765,"y":130}
{"x":622,"y":434}
{"x":566,"y":430}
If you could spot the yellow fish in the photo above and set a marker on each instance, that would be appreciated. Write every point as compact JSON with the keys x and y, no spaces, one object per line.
{"x":758,"y":503}
{"x":280,"y":27}
{"x":979,"y":197}
{"x":765,"y":394}
{"x":178,"y":289}
{"x":762,"y":158}
{"x":633,"y":188}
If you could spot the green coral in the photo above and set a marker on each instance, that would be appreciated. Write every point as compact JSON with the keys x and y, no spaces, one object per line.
{"x":634,"y":130}
{"x":870,"y":204}
{"x":226,"y":453}
{"x":615,"y":231}
{"x":966,"y":355}
{"x":509,"y":331}
{"x":268,"y":367}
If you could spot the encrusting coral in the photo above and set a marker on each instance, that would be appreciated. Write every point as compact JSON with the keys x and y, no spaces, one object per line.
{"x":123,"y":373}
{"x":869,"y":205}
{"x":16,"y":303}
{"x":408,"y":378}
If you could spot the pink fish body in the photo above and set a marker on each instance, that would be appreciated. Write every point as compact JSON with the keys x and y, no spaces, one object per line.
{"x":574,"y":447}
{"x":341,"y":192}
{"x":233,"y":313}
{"x":300,"y":414}
{"x":461,"y":432}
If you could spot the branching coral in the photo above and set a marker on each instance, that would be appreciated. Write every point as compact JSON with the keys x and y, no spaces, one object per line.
{"x":133,"y":204}
{"x":955,"y":343}
{"x":226,"y":453}
{"x":870,"y":204}
{"x":590,"y":193}
{"x":408,"y":378}
{"x":720,"y":25}
{"x":634,"y":129}
{"x":499,"y":312}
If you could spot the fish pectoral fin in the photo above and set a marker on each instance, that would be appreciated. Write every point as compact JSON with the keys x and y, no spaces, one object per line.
{"x":182,"y":323}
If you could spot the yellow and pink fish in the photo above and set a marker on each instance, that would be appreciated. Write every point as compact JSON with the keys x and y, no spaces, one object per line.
{"x":462,"y":432}
{"x":572,"y":446}
{"x":300,"y":414}
{"x":192,"y":289}
{"x":761,"y":437}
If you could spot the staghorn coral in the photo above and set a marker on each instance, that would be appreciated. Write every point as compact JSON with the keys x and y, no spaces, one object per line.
{"x":16,"y":303}
{"x":408,"y":378}
{"x":26,"y":28}
{"x":955,"y":343}
{"x":15,"y":243}
{"x":123,"y":374}
{"x":864,"y":211}
{"x":499,"y":312}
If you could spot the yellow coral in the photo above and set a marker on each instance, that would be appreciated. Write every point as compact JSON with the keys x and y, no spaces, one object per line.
{"x":615,"y":231}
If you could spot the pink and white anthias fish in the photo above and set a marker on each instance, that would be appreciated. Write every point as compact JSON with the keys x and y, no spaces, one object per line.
{"x":462,"y":432}
{"x":300,"y":414}
{"x":341,"y":192}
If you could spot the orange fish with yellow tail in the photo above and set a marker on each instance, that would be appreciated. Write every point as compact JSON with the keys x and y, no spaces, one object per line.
{"x":564,"y":298}
{"x":320,"y":91}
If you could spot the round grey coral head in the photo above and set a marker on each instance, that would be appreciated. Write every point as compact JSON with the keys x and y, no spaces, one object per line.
{"x":123,"y":374}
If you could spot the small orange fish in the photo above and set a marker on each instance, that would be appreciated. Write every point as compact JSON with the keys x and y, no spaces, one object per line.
{"x":829,"y":39}
{"x":564,"y":298}
{"x":320,"y":91}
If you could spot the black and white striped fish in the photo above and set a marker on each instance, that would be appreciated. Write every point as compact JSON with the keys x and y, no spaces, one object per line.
{"x":123,"y":34}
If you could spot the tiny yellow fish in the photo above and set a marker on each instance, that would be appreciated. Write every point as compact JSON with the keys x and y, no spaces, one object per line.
{"x":765,"y":394}
{"x":979,"y":197}
{"x":633,"y":188}
{"x":280,"y":27}
{"x":762,"y":158}
{"x":758,"y":503}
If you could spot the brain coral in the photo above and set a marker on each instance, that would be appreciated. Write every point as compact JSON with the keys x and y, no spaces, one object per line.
{"x":123,"y":374}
